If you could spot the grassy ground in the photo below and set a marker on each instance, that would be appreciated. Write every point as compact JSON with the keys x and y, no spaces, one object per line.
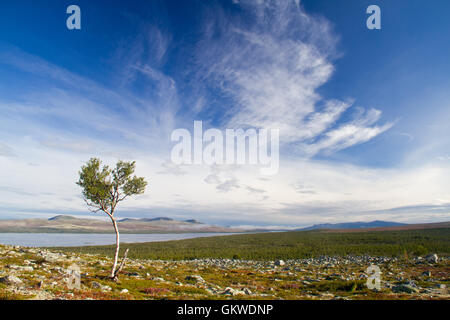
{"x":289,"y":245}
{"x":150,"y":279}
{"x":251,"y":271}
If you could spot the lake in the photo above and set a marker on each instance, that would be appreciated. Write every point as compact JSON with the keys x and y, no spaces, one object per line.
{"x":91,"y":239}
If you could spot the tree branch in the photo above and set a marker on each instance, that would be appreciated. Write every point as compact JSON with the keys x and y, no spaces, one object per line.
{"x":91,"y":205}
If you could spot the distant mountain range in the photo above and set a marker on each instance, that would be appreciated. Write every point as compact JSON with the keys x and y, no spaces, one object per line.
{"x":156,"y":219}
{"x":70,"y":224}
{"x":354,"y":225}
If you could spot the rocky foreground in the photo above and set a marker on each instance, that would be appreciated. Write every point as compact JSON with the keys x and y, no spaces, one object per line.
{"x":31,"y":273}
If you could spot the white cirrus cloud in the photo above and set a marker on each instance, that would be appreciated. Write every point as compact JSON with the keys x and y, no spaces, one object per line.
{"x":271,"y":68}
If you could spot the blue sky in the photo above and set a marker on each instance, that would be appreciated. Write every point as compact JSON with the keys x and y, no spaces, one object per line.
{"x":363,"y":114}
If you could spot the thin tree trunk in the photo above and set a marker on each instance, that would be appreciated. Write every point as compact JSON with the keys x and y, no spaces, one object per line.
{"x":116,"y":256}
{"x":122,"y":263}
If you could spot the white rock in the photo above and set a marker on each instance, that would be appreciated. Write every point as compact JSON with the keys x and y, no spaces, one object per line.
{"x":21,"y":268}
{"x":96,"y":285}
{"x":433,"y":258}
{"x":196,"y":278}
{"x":280,"y":263}
{"x":159,"y":279}
{"x":229,"y":291}
{"x":232,"y":292}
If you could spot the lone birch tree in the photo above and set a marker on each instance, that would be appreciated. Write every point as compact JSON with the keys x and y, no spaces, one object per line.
{"x":103,"y":188}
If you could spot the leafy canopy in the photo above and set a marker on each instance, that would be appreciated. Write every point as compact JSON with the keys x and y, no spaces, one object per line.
{"x":103,"y":187}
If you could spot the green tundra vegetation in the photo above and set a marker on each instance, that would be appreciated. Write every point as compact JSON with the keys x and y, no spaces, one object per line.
{"x":289,"y":245}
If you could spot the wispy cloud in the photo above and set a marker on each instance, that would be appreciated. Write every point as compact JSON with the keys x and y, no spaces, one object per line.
{"x":171,"y":168}
{"x":228,"y":185}
{"x":6,"y":151}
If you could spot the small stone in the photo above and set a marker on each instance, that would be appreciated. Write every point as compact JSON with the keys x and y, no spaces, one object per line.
{"x":195,"y":278}
{"x":407,"y":288}
{"x":96,"y":285}
{"x":27,"y":268}
{"x":157,"y":279}
{"x":133,"y":274}
{"x":426,"y":273}
{"x":124,"y":291}
{"x":13,"y":253}
{"x":433,"y":258}
{"x":280,"y":263}
{"x":232,"y":292}
{"x":106,"y":288}
{"x":229,"y":290}
{"x":12,"y":267}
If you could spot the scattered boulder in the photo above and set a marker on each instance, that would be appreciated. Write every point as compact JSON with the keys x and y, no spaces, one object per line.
{"x":27,"y":268}
{"x":157,"y":279}
{"x":433,"y":258}
{"x":232,"y":292}
{"x":106,"y":288}
{"x":327,"y":295}
{"x":52,"y":257}
{"x":280,"y":263}
{"x":133,"y":274}
{"x":14,"y":254}
{"x":11,"y":280}
{"x":195,"y":278}
{"x":96,"y":285}
{"x":405,"y":288}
